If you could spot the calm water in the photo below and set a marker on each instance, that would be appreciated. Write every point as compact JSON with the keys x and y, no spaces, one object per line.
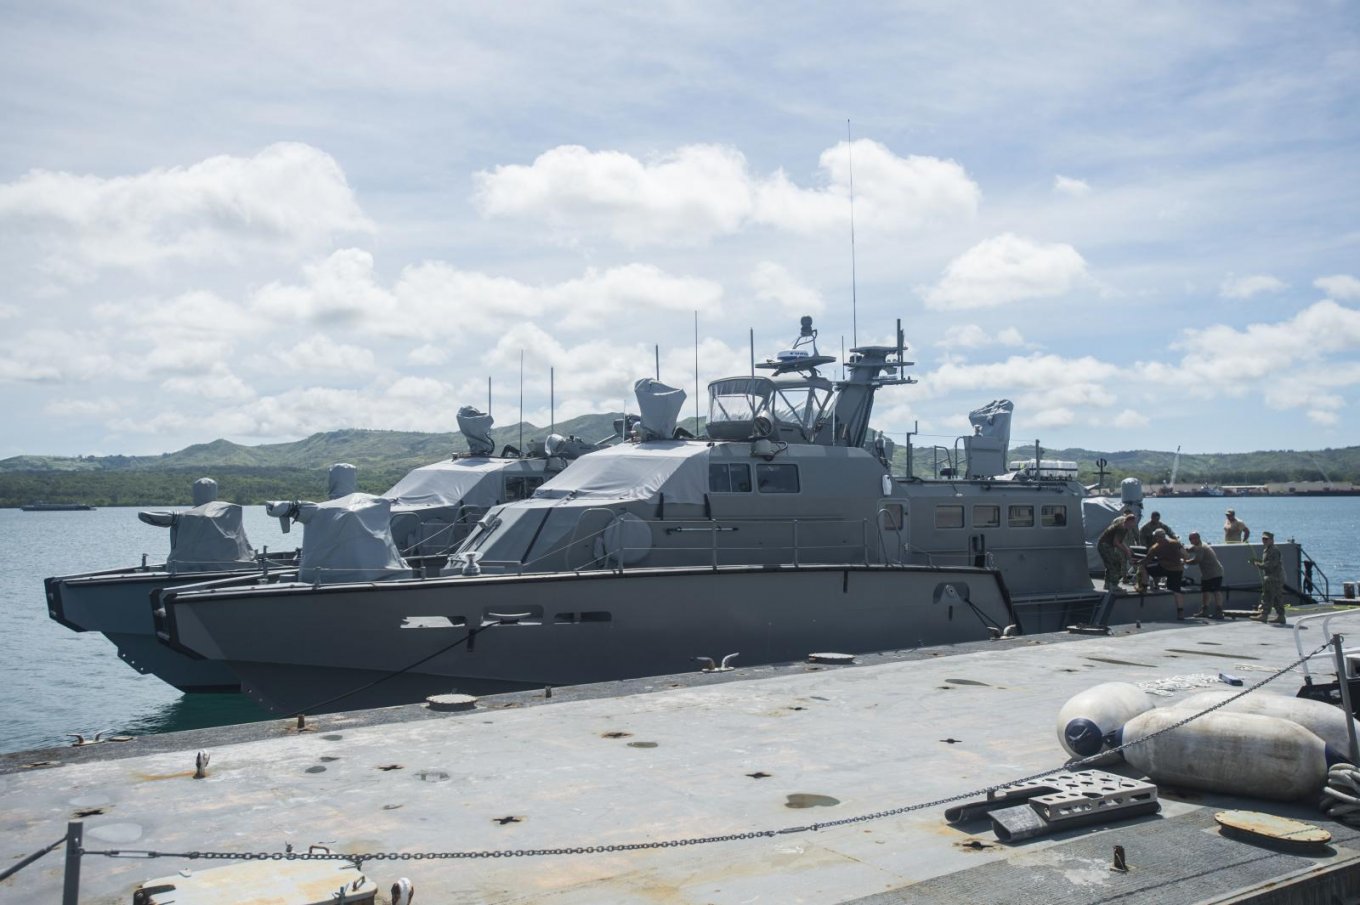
{"x":57,"y":681}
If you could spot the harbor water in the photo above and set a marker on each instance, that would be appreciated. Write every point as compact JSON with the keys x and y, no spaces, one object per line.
{"x":57,"y":682}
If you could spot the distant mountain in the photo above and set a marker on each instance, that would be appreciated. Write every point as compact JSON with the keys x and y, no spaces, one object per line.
{"x":1263,"y":467}
{"x":377,"y":448}
{"x":297,"y":470}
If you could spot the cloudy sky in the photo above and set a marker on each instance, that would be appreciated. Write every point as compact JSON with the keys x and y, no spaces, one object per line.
{"x":1139,"y":221}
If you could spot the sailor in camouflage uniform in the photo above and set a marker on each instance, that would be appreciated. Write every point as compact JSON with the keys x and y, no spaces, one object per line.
{"x":1272,"y":579}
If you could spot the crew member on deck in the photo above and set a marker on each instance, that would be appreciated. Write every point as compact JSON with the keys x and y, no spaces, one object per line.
{"x":1272,"y":579}
{"x":1114,"y":551}
{"x":1210,"y":576}
{"x":1235,"y":531}
{"x":1168,"y":560}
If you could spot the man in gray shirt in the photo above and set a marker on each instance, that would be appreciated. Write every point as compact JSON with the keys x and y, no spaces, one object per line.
{"x":1210,"y":576}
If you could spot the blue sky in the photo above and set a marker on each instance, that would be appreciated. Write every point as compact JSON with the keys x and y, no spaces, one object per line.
{"x":259,"y":220}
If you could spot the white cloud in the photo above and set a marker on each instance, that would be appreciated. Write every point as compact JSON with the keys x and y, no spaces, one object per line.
{"x":690,"y":195}
{"x":189,"y":317}
{"x":890,"y":192}
{"x":686,"y":196}
{"x":629,"y":291}
{"x":51,"y":355}
{"x":1051,"y":390}
{"x":101,"y":407}
{"x":1131,"y":418}
{"x":1075,"y":188}
{"x":286,"y":198}
{"x":1339,"y":286}
{"x":217,"y":384}
{"x":428,"y":355}
{"x":972,"y":336}
{"x":1248,"y":286}
{"x":435,"y":298}
{"x":773,"y":284}
{"x":1004,"y":269}
{"x":321,"y":354}
{"x":1293,"y":354}
{"x":340,"y":289}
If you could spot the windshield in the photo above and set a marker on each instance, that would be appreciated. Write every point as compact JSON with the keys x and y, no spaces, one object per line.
{"x":799,"y":405}
{"x":737,"y":399}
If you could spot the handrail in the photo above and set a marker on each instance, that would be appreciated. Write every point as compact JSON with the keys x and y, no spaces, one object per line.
{"x":797,"y":550}
{"x":1326,"y":619}
{"x":1309,"y":567}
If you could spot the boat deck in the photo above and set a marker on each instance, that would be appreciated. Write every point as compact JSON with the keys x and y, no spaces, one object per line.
{"x":690,"y":757}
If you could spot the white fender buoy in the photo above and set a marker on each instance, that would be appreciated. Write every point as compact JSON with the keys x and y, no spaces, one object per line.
{"x":402,"y":892}
{"x":1326,"y":721}
{"x":1089,"y":716}
{"x":1238,"y":753}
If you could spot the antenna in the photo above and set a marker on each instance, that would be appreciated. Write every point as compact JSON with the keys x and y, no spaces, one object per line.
{"x":752,"y":332}
{"x":521,"y":403}
{"x":552,"y":403}
{"x":488,"y":394}
{"x":854,"y":301}
{"x":658,"y":362}
{"x":696,"y":372}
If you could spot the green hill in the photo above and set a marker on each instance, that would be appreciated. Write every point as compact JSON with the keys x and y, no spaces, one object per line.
{"x":252,"y":474}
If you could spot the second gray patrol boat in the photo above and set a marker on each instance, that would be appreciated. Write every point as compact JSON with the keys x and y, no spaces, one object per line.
{"x":780,"y":533}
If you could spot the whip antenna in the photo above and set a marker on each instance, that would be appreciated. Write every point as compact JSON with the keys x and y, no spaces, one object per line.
{"x":696,"y":373}
{"x":854,"y":302}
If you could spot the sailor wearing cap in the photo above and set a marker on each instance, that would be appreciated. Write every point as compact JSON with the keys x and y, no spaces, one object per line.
{"x":1272,"y":579}
{"x":1235,"y":531}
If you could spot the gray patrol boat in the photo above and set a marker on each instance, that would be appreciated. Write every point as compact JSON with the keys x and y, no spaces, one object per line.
{"x":409,"y":530}
{"x":207,"y":542}
{"x":780,"y":533}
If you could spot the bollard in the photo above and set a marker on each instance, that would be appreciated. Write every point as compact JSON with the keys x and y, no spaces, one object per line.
{"x":201,"y":765}
{"x":1119,"y":863}
{"x":75,"y":839}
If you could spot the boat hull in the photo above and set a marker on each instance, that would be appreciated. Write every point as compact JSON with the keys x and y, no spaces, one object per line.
{"x":119,"y":604}
{"x":297,"y":648}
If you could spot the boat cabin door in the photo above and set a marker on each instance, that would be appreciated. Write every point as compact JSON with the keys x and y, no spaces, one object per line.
{"x":894,"y":529}
{"x":977,"y":550}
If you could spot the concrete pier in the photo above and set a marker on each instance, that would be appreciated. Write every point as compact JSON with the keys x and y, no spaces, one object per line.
{"x":684,"y":758}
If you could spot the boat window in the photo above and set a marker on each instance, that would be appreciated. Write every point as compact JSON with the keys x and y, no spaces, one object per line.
{"x":986,"y":516}
{"x":1020,"y":516}
{"x":737,"y":399}
{"x":891,"y":516}
{"x":521,"y":488}
{"x":948,"y":516}
{"x":1053,"y":516}
{"x":729,"y":477}
{"x":777,"y":478}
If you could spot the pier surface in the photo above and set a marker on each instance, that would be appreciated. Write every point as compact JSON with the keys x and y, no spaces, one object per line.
{"x":688,"y":758}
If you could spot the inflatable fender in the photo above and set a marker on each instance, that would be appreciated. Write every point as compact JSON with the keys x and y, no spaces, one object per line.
{"x":1236,"y":753}
{"x":1090,"y":716}
{"x":1326,"y":721}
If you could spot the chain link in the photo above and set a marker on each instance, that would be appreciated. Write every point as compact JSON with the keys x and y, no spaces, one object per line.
{"x":610,"y":848}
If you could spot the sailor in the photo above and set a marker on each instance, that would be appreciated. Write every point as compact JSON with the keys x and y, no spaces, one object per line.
{"x":1272,"y":579}
{"x":1210,"y":576}
{"x":1114,"y":551}
{"x":1130,"y":540}
{"x":1235,"y":531}
{"x":1169,"y":554}
{"x":1154,"y":522}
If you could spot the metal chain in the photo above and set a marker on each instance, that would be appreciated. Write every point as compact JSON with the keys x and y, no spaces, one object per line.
{"x":360,"y":858}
